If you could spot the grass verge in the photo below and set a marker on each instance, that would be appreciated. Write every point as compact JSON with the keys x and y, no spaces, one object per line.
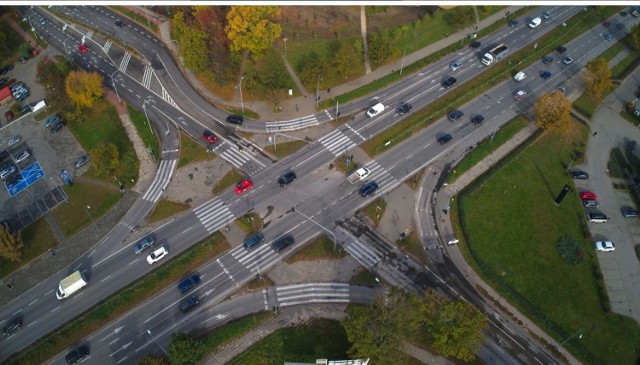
{"x":37,"y":238}
{"x":125,"y":299}
{"x":411,"y":244}
{"x":320,"y":249}
{"x":626,"y":65}
{"x":166,"y":208}
{"x":487,"y":146}
{"x":249,"y":223}
{"x":229,"y":179}
{"x":617,"y":164}
{"x":375,"y":210}
{"x":141,"y":20}
{"x":281,"y":150}
{"x":147,"y":135}
{"x":587,"y":105}
{"x":364,"y":277}
{"x":191,"y":152}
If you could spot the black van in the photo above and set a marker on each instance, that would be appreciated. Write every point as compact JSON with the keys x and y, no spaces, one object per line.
{"x":253,"y":240}
{"x":189,"y":303}
{"x":281,"y":243}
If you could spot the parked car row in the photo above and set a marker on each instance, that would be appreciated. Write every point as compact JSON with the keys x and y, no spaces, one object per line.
{"x":19,"y":91}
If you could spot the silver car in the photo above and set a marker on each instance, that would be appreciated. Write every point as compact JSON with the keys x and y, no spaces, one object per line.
{"x":23,"y":156}
{"x":7,"y":171}
{"x":14,"y":140}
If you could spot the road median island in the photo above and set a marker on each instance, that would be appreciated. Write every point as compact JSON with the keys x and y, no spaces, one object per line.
{"x":492,"y":76}
{"x":122,"y":302}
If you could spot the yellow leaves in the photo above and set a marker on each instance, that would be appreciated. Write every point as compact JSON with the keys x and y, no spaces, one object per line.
{"x":596,"y":77}
{"x":83,"y":88}
{"x":249,"y":29}
{"x":552,"y":112}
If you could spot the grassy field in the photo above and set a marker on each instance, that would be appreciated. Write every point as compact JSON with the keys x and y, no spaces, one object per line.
{"x":516,"y":249}
{"x":37,"y":238}
{"x":411,"y":244}
{"x":229,"y":179}
{"x":320,"y":249}
{"x":375,"y":210}
{"x":249,"y":223}
{"x":626,"y":65}
{"x":587,"y":105}
{"x":281,"y":150}
{"x":165,"y":209}
{"x":147,"y":135}
{"x":14,"y":45}
{"x":191,"y":152}
{"x":123,"y":301}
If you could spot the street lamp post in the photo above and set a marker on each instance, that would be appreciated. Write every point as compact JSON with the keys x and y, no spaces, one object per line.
{"x":154,"y":341}
{"x":335,"y":240}
{"x":579,"y":334}
{"x":32,"y":28}
{"x":241,"y":100}
{"x":87,"y":207}
{"x":115,"y":88}
{"x":285,"y":47}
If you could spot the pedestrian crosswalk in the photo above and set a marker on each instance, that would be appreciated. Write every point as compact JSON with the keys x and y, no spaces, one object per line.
{"x":166,"y":97}
{"x":312,"y":292}
{"x":146,"y":77}
{"x":235,"y":156}
{"x":213,"y":215}
{"x":163,"y":176}
{"x":337,"y":142}
{"x":379,"y":174}
{"x":125,"y":61}
{"x":367,"y":256}
{"x":292,"y":125}
{"x":106,"y":46}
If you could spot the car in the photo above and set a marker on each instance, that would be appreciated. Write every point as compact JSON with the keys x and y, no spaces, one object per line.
{"x":43,"y":21}
{"x":513,"y":23}
{"x":534,"y":22}
{"x":546,"y":15}
{"x":11,"y":327}
{"x":26,"y":109}
{"x":520,"y":95}
{"x":375,"y":110}
{"x":607,"y":36}
{"x":243,"y":186}
{"x":404,"y":108}
{"x":156,"y":255}
{"x":8,"y":67}
{"x":52,"y":120}
{"x":81,"y":161}
{"x":82,"y":48}
{"x":620,"y":26}
{"x":209,"y":137}
{"x":455,"y":115}
{"x":606,"y":24}
{"x":235,"y":119}
{"x":3,"y":81}
{"x":18,"y":85}
{"x":623,"y":14}
{"x":636,"y":112}
{"x":475,"y":44}
{"x":605,"y":246}
{"x":143,"y":244}
{"x":120,"y":23}
{"x":561,"y":49}
{"x":286,"y":178}
{"x":597,"y":217}
{"x":588,"y":195}
{"x":520,"y":76}
{"x":545,"y":74}
{"x":188,"y":283}
{"x":189,"y":303}
{"x":579,"y":174}
{"x":9,"y":115}
{"x":449,"y":82}
{"x":477,"y":119}
{"x":24,"y":59}
{"x":630,"y":213}
{"x":253,"y":241}
{"x":368,"y":189}
{"x":22,"y":156}
{"x":590,"y":203}
{"x":56,"y":127}
{"x":567,"y":60}
{"x":6,"y":171}
{"x":15,"y":139}
{"x":445,"y":138}
{"x":547,"y":60}
{"x":282,"y":242}
{"x":455,"y":65}
{"x":77,"y":354}
{"x":631,"y":145}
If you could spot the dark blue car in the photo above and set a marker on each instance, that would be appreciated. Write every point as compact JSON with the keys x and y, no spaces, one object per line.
{"x":368,"y":189}
{"x":188,"y":283}
{"x":545,"y":74}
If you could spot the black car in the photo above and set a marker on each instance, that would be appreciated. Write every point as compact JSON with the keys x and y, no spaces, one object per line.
{"x":282,"y":242}
{"x":368,"y":189}
{"x":404,"y":108}
{"x":620,"y":26}
{"x":445,"y":138}
{"x":235,"y":119}
{"x":286,"y":178}
{"x":630,"y":213}
{"x":513,"y":23}
{"x":455,"y":115}
{"x":449,"y":82}
{"x":623,"y":13}
{"x":189,"y":303}
{"x":562,"y":49}
{"x":547,"y":60}
{"x":477,"y":119}
{"x":579,"y":174}
{"x":188,"y":283}
{"x":475,"y":45}
{"x":11,"y":327}
{"x":120,"y":23}
{"x":77,"y":354}
{"x":58,"y":126}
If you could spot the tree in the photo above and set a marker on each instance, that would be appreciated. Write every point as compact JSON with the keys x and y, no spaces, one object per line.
{"x":274,"y":74}
{"x":193,"y":44}
{"x":313,"y":67}
{"x":152,"y":360}
{"x":185,"y":350}
{"x":105,"y":158}
{"x":10,"y":245}
{"x":597,"y":77}
{"x":379,"y":49}
{"x":460,"y":16}
{"x":83,"y":88}
{"x":250,"y":31}
{"x":456,"y":327}
{"x":377,"y":331}
{"x":552,"y":112}
{"x":346,"y":60}
{"x":634,"y":37}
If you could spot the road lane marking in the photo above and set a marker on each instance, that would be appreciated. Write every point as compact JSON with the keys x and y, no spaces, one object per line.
{"x":105,"y":279}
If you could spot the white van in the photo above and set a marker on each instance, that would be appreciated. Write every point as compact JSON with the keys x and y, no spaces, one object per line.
{"x":535,"y":22}
{"x":375,"y":110}
{"x":520,"y":76}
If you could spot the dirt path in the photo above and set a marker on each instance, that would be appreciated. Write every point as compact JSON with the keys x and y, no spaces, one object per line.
{"x":363,"y":30}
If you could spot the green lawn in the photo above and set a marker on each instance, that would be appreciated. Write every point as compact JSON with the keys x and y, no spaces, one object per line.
{"x":512,"y":227}
{"x":320,"y":249}
{"x":587,"y":105}
{"x":147,"y":135}
{"x":191,"y":152}
{"x":165,"y":209}
{"x":626,"y":65}
{"x":14,"y":45}
{"x":375,"y":210}
{"x":283,"y":149}
{"x":37,"y":238}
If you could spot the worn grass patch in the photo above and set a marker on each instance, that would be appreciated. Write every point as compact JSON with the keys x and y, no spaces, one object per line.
{"x":249,"y":223}
{"x":123,"y":301}
{"x":165,"y":209}
{"x":516,"y":249}
{"x":229,"y":179}
{"x":281,"y":150}
{"x":320,"y":249}
{"x":411,"y":244}
{"x":626,"y":65}
{"x":37,"y":239}
{"x":364,"y":277}
{"x":191,"y":152}
{"x":375,"y":210}
{"x":14,"y":45}
{"x":148,"y":136}
{"x":587,"y":105}
{"x":233,"y":330}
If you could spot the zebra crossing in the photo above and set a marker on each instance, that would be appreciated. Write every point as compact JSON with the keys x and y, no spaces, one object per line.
{"x":213,"y":215}
{"x":89,"y":34}
{"x":166,"y":97}
{"x":292,"y":125}
{"x":337,"y":142}
{"x":311,"y":293}
{"x":165,"y":171}
{"x":234,"y":156}
{"x":107,"y":46}
{"x":379,"y":174}
{"x":367,"y":256}
{"x":146,"y":77}
{"x":125,"y":61}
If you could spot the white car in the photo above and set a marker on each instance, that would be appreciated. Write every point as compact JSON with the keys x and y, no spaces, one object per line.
{"x":14,"y":140}
{"x":7,"y":171}
{"x":520,"y":95}
{"x":535,"y":22}
{"x":455,"y":65}
{"x":567,"y":61}
{"x":23,"y":156}
{"x":157,"y":255}
{"x":375,"y":110}
{"x":520,"y":76}
{"x":605,"y":246}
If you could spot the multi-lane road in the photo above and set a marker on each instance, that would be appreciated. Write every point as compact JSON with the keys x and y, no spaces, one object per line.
{"x":155,"y":85}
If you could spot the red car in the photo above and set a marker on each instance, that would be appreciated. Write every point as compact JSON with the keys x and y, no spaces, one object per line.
{"x":208,"y":136}
{"x":243,"y":186}
{"x":83,"y":48}
{"x":587,"y":195}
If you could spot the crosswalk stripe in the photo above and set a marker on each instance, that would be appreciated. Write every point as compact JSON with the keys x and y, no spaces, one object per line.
{"x":107,"y":46}
{"x":125,"y":61}
{"x":337,"y":142}
{"x":292,"y":125}
{"x":213,"y":214}
{"x":379,"y":174}
{"x":146,"y":77}
{"x":367,"y":256}
{"x":160,"y":182}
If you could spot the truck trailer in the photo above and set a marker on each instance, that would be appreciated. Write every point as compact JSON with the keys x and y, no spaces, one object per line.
{"x":70,"y":285}
{"x":496,"y":54}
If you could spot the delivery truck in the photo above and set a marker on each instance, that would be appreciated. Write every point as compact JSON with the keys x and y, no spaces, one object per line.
{"x":70,"y":285}
{"x":496,"y":54}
